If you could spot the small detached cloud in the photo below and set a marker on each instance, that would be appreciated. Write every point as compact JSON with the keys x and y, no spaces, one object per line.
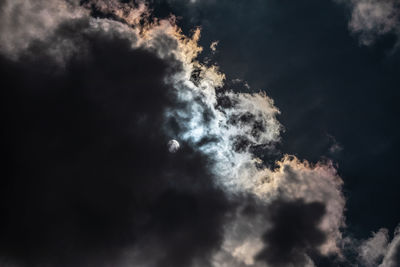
{"x":213,"y":46}
{"x":371,"y":19}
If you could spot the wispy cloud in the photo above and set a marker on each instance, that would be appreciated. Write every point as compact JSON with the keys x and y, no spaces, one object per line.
{"x":379,"y":250}
{"x":371,"y":19}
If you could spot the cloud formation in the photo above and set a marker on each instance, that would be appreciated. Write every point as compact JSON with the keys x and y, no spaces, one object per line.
{"x":294,"y":231}
{"x":379,"y":250}
{"x":94,"y":91}
{"x":89,"y":174}
{"x":371,"y":19}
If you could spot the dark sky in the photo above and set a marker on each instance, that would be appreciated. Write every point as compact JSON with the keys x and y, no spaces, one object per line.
{"x":95,"y":91}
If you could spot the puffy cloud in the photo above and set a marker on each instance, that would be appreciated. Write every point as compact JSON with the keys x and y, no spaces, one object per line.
{"x":315,"y":190}
{"x":372,"y":18}
{"x":294,"y":218}
{"x":242,"y":239}
{"x":294,"y":180}
{"x":293,"y":234}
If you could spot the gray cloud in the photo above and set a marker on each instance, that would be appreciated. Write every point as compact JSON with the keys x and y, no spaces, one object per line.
{"x":371,"y":19}
{"x":380,"y":250}
{"x":23,"y":22}
{"x":374,"y":249}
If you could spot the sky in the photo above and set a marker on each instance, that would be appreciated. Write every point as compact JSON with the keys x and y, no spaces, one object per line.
{"x":196,"y":133}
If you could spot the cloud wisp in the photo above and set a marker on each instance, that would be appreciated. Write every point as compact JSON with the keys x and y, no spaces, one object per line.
{"x":379,"y":250}
{"x":371,"y":19}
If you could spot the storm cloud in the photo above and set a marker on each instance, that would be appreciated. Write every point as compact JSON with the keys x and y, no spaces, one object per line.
{"x":94,"y":91}
{"x":89,"y":173}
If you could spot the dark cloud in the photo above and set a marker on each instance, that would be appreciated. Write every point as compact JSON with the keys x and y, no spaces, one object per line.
{"x":91,"y":98}
{"x":89,"y":177}
{"x":294,"y":232}
{"x":87,"y":171}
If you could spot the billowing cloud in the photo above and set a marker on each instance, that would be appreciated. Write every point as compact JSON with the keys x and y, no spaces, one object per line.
{"x":296,"y":180}
{"x":94,"y":92}
{"x":294,"y":232}
{"x":371,"y":19}
{"x":294,"y":217}
{"x":89,"y":174}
